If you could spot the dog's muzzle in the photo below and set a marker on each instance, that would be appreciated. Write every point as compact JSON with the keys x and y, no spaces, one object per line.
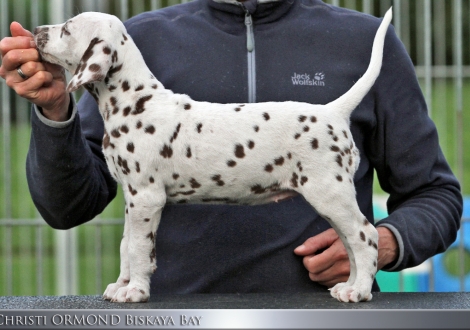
{"x":41,"y":36}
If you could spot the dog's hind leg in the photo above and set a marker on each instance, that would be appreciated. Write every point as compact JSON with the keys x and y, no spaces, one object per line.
{"x":339,"y":207}
{"x":144,"y":216}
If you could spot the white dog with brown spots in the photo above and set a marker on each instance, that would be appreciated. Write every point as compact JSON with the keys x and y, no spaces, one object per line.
{"x":166,"y":148}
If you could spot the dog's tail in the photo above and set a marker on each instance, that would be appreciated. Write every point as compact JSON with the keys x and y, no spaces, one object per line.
{"x":346,"y":103}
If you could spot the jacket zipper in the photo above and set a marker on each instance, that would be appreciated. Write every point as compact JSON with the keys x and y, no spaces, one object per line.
{"x":250,"y":46}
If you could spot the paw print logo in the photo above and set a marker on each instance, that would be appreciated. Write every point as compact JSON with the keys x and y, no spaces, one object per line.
{"x":319,"y":76}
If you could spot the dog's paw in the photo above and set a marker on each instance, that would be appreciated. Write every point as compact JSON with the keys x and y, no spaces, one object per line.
{"x":347,"y":293}
{"x":112,"y":288}
{"x":131,"y":293}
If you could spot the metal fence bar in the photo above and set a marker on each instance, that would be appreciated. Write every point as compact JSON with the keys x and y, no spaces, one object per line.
{"x":458,"y":59}
{"x":6,"y":127}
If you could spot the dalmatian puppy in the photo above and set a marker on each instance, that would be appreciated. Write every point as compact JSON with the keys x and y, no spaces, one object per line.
{"x":164,"y":147}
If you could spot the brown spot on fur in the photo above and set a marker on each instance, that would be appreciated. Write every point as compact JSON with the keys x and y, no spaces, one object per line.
{"x":113,"y":70}
{"x":239,"y":151}
{"x":314,"y":143}
{"x":194,"y":184}
{"x":339,"y":178}
{"x":294,"y":180}
{"x":114,"y":58}
{"x":218,"y":180}
{"x":266,"y":116}
{"x":334,"y":148}
{"x":188,"y":152}
{"x":339,"y":160}
{"x":166,"y":151}
{"x":130,"y":147}
{"x":149,"y":129}
{"x":106,"y":140}
{"x":132,"y":190}
{"x":94,"y":67}
{"x":199,"y":127}
{"x":115,"y":133}
{"x":140,"y":104}
{"x":187,"y":106}
{"x":251,"y":144}
{"x":279,"y":161}
{"x":363,"y":236}
{"x":269,"y":168}
{"x":302,"y":118}
{"x":256,"y":128}
{"x":258,"y":189}
{"x":231,"y":163}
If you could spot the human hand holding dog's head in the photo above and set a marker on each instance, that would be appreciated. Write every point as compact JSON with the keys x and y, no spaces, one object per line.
{"x":42,"y":83}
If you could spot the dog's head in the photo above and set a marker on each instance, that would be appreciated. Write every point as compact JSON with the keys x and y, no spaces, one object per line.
{"x":84,"y":45}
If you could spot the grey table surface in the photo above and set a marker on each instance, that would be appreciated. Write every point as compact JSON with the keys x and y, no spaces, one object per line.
{"x":381,"y":300}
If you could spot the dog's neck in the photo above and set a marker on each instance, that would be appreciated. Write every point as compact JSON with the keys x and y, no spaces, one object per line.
{"x":129,"y":74}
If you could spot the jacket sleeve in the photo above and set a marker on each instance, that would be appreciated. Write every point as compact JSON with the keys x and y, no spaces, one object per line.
{"x":66,"y":171}
{"x":425,"y":202}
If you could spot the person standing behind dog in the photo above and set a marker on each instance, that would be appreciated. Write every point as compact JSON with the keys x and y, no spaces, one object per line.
{"x":234,"y":52}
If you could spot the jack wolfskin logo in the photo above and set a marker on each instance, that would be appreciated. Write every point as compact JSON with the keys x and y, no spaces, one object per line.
{"x":305,"y":80}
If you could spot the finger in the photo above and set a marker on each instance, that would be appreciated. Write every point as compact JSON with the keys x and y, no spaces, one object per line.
{"x":16,"y":57}
{"x":317,"y":243}
{"x":320,"y":262}
{"x":329,"y":268}
{"x":10,"y":43}
{"x":17,"y":30}
{"x":31,"y":68}
{"x":31,"y":88}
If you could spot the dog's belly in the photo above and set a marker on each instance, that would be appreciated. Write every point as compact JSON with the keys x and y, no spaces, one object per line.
{"x":232,"y":194}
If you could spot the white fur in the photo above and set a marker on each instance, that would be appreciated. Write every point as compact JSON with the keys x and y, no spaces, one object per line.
{"x":166,"y":148}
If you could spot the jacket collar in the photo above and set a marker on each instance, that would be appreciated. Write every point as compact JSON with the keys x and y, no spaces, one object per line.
{"x":262,"y":11}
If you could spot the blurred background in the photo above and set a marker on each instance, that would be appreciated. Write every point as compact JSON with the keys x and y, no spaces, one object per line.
{"x":37,"y":260}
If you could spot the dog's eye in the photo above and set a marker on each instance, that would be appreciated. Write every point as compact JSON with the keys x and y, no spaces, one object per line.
{"x":64,"y":30}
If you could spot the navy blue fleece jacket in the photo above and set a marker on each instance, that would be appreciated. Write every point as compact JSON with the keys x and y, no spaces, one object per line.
{"x":301,"y":50}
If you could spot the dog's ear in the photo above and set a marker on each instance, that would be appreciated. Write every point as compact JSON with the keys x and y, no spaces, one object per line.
{"x":94,"y":65}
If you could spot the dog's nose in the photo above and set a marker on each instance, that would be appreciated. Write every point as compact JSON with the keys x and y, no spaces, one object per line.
{"x":40,"y":29}
{"x":41,"y":36}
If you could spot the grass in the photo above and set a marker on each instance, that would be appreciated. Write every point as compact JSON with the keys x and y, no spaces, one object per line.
{"x":92,"y":277}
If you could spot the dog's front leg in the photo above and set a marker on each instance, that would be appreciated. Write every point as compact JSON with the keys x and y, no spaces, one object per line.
{"x":144,"y":216}
{"x":124,"y":274}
